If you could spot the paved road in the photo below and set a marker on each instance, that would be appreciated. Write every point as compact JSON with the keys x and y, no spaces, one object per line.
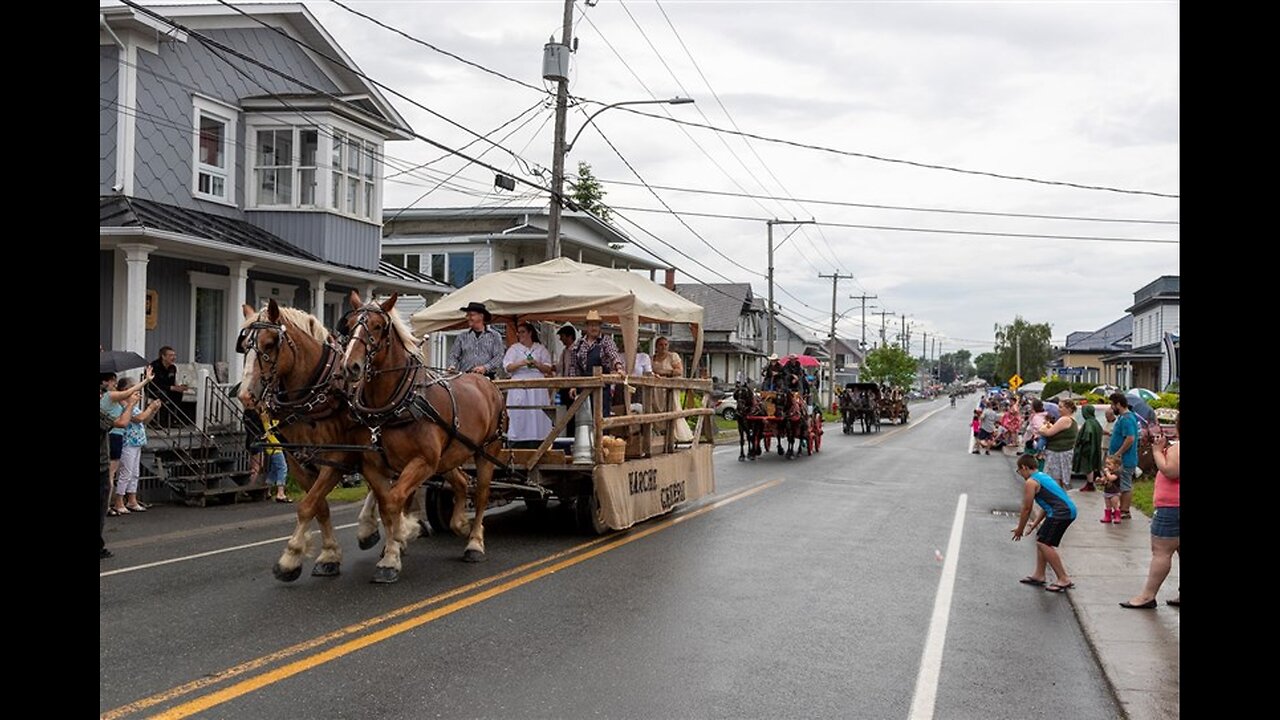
{"x":838,"y":585}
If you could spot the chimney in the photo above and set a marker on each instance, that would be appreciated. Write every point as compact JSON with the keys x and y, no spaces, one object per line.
{"x":670,"y":282}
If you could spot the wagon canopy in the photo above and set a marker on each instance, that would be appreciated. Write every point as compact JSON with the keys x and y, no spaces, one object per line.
{"x":562,"y":290}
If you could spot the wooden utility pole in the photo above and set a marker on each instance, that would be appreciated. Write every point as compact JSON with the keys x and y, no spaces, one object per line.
{"x":558,"y":151}
{"x":831,"y":379}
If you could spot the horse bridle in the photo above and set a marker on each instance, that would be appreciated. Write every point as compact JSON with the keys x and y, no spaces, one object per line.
{"x":312,"y":394}
{"x":403,"y":395}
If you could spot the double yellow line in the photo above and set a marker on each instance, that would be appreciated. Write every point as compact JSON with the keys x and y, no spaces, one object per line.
{"x":507,"y":580}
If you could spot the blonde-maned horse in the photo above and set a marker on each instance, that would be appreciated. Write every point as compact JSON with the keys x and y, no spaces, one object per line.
{"x":427,"y":424}
{"x":292,"y":369}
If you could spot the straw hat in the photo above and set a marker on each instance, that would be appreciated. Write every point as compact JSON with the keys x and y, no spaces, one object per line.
{"x":593,"y":316}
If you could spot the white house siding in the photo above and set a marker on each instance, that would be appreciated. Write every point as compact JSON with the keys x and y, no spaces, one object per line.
{"x":165,"y":125}
{"x":108,"y":113}
{"x":484,"y":260}
{"x":1150,"y":325}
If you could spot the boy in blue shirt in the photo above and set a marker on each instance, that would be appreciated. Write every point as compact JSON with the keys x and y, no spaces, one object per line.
{"x":1124,"y":445}
{"x":1059,"y":511}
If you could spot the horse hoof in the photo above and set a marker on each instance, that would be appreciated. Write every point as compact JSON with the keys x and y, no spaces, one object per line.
{"x":368,"y":542}
{"x":474,"y":556}
{"x":286,"y":575}
{"x":326,"y":569}
{"x":385,"y":575}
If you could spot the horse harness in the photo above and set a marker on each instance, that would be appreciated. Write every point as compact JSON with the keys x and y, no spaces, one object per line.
{"x":408,"y":402}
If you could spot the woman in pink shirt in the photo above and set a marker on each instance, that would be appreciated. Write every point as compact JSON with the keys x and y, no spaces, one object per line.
{"x":1166,"y":524}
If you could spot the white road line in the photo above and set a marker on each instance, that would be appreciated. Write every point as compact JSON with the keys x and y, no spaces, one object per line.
{"x":931,"y":660}
{"x":211,"y":552}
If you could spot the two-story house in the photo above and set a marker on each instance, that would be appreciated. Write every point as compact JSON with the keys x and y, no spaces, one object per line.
{"x":1154,"y":315}
{"x":225,"y":180}
{"x":731,"y":332}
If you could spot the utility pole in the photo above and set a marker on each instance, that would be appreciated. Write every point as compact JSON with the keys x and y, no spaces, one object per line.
{"x":924,"y":353}
{"x":864,"y":299}
{"x":558,"y":152}
{"x":882,"y":314}
{"x":835,"y":280}
{"x":772,"y":334}
{"x":1018,"y":355}
{"x":902,"y":337}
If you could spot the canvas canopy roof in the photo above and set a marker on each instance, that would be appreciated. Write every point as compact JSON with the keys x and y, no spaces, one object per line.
{"x":563,"y":290}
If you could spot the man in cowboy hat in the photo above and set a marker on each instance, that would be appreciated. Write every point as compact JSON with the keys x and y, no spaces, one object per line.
{"x":479,"y":348}
{"x":595,"y":349}
{"x":772,"y":372}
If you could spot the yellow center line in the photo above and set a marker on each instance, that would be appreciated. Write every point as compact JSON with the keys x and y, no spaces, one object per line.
{"x":249,"y":685}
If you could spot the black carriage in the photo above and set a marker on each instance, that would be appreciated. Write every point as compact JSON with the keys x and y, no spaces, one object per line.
{"x":860,"y":404}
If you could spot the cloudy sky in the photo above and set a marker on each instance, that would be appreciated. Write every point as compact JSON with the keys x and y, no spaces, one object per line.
{"x":1083,"y":93}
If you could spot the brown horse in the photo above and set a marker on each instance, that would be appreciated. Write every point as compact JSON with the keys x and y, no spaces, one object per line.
{"x":423,"y":424}
{"x":293,"y":370}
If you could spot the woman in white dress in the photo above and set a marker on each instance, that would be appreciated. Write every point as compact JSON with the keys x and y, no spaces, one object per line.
{"x":527,"y":359}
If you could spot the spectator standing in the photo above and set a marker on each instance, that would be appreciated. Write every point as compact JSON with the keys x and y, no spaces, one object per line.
{"x":1166,"y":525}
{"x":1124,"y":444}
{"x":479,"y":348}
{"x":273,"y":456}
{"x":987,"y":427}
{"x":527,"y":359}
{"x":106,"y":424}
{"x":1011,"y":425}
{"x":111,"y":399}
{"x":1058,"y":513}
{"x":1060,"y":444}
{"x":135,"y":438}
{"x":164,"y":372}
{"x":1087,"y":458}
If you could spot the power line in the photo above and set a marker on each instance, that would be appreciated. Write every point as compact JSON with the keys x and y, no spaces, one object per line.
{"x":941,"y":231}
{"x":913,"y":163}
{"x":908,"y":208}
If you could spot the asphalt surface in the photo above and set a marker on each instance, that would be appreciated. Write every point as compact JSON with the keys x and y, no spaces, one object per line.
{"x":801,"y":588}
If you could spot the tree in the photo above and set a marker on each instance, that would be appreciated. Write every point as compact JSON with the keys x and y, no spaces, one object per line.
{"x":588,"y":193}
{"x":1028,"y":341}
{"x":953,"y":365}
{"x":889,"y":364}
{"x":985,"y":367}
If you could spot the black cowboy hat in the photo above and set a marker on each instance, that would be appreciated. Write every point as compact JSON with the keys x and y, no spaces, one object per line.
{"x":474,"y":306}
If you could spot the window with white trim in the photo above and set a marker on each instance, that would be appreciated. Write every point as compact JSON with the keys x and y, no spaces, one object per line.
{"x":456,"y":268}
{"x":284,"y":167}
{"x":351,"y":172}
{"x":215,"y":131}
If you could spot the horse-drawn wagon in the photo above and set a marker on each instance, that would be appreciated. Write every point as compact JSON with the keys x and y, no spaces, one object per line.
{"x":893,"y":406}
{"x":860,"y":405}
{"x":772,"y":416}
{"x":615,"y":470}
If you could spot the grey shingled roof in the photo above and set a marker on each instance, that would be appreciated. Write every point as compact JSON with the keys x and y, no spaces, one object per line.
{"x":1106,"y":339}
{"x":722,"y":303}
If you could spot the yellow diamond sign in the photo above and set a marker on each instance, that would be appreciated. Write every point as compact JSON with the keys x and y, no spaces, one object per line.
{"x":1015,"y":382}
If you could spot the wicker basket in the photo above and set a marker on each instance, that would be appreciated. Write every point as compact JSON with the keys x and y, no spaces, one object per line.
{"x":615,"y":450}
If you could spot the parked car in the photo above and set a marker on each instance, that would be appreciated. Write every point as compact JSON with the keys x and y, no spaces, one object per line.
{"x":727,"y":408}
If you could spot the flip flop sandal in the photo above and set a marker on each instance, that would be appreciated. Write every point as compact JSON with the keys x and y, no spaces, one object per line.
{"x":1056,"y":588}
{"x":1028,"y":580}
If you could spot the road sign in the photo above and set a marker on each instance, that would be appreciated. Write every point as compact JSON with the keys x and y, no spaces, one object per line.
{"x":1014,"y":382}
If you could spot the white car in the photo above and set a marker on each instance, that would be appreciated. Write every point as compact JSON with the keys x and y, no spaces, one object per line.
{"x":727,"y":408}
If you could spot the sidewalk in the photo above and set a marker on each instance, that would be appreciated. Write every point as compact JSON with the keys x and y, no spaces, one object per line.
{"x":1137,"y":649}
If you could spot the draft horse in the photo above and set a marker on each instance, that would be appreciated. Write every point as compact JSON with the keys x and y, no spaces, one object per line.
{"x":422,"y":423}
{"x":750,"y":426}
{"x":292,"y":369}
{"x":793,"y":420}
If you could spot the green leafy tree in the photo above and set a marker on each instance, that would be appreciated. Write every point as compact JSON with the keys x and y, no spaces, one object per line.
{"x":588,"y":193}
{"x":985,"y":367}
{"x":953,"y":365}
{"x":1024,"y":340}
{"x":890,"y":364}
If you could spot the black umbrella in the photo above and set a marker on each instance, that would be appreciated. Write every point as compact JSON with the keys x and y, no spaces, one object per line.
{"x":115,"y":361}
{"x":1140,"y":408}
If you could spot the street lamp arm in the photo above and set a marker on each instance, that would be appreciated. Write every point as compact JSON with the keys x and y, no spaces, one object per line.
{"x":585,"y":123}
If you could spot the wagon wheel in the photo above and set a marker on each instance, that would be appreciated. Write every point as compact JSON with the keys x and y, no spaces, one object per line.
{"x":586,"y":509}
{"x":439,"y":507}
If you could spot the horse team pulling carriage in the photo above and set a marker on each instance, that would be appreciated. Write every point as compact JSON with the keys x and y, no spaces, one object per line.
{"x":786,"y":413}
{"x":867,"y":404}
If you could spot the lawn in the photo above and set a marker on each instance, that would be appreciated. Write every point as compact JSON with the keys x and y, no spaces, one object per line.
{"x":1143,"y":488}
{"x":338,"y":494}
